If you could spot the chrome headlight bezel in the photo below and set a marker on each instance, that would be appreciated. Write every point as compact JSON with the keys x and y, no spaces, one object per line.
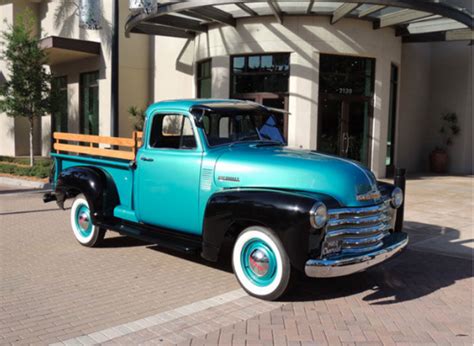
{"x":396,"y":198}
{"x":318,"y":216}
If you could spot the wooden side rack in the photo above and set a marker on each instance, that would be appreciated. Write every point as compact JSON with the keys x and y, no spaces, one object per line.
{"x":90,"y":145}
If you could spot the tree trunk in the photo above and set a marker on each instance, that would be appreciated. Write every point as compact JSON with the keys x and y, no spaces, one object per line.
{"x":32,"y":157}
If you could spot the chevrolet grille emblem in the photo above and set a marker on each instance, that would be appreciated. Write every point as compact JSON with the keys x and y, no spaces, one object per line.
{"x":374,"y":194}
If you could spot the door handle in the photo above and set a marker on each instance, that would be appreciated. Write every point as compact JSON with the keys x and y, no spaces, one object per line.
{"x":345,"y":143}
{"x":146,"y":159}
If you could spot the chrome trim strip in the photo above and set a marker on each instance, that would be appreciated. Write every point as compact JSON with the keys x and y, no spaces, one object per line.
{"x":362,"y":250}
{"x":354,"y":242}
{"x":359,"y":220}
{"x":359,"y":211}
{"x":366,"y":231}
{"x":325,"y":268}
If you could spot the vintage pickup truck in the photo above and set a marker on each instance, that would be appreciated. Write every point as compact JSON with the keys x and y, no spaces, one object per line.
{"x":214,"y":170}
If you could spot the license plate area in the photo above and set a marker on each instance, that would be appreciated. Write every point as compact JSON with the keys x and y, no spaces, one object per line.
{"x":332,"y":247}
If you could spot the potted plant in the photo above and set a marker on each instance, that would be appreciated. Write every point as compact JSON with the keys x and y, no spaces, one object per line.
{"x":439,"y":156}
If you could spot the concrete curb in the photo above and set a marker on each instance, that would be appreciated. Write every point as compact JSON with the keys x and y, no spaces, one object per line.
{"x":24,"y":183}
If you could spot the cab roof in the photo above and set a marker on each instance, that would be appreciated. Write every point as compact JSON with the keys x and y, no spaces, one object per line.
{"x":216,"y":104}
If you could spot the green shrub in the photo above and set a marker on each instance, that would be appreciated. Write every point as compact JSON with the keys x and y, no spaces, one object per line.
{"x":18,"y":166}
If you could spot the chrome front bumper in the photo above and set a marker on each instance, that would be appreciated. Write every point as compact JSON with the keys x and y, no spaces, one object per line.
{"x":340,"y":266}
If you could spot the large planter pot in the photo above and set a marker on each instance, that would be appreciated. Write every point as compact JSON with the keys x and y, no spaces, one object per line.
{"x":439,"y":161}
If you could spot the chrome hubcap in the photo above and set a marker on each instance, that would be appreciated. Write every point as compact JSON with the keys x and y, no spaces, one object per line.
{"x":84,"y":220}
{"x":259,"y":263}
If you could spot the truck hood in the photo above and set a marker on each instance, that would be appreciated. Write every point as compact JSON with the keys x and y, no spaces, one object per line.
{"x":264,"y":166}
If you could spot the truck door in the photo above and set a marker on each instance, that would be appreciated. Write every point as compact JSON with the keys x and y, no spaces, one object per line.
{"x":168,"y":173}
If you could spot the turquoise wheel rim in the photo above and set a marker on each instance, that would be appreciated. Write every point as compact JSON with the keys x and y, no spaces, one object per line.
{"x":258,"y":262}
{"x":83,"y":221}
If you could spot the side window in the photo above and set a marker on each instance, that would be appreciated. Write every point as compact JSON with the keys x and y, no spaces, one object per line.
{"x":173,"y":132}
{"x":224,"y":127}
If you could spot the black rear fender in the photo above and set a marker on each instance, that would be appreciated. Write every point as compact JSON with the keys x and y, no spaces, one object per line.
{"x":97,"y":186}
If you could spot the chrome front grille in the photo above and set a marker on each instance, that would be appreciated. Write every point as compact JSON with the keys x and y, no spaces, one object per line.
{"x":352,"y":231}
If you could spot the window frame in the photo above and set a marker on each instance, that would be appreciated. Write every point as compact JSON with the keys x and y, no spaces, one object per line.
{"x":199,"y":79}
{"x":81,"y":103}
{"x":372,"y":75}
{"x":261,"y":73}
{"x":210,"y":146}
{"x":65,"y":88}
{"x":164,"y":114}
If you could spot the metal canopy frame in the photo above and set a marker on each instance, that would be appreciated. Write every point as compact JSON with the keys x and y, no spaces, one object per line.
{"x":188,"y":18}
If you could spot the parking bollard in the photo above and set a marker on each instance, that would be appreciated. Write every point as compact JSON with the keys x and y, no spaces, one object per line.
{"x":400,"y":181}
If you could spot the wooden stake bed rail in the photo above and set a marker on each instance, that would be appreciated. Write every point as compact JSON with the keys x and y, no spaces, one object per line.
{"x":133,"y":143}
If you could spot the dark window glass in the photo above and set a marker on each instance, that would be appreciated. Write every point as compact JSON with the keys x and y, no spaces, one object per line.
{"x":346,"y":75}
{"x":172,"y":132}
{"x":254,"y":63}
{"x":204,"y":79}
{"x":260,"y":73}
{"x":60,"y":118}
{"x":267,"y":63}
{"x":89,"y":91}
{"x":239,"y":64}
{"x":256,"y":126}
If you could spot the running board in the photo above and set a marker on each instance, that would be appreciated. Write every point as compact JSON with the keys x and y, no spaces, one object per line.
{"x":161,"y":237}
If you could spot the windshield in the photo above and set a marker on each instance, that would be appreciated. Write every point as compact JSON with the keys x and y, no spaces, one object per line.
{"x":222,"y":128}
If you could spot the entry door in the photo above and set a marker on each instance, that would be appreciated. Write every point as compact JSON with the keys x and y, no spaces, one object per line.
{"x":344,"y":127}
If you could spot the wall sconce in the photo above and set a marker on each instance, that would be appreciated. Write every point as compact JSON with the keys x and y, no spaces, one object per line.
{"x":89,"y":14}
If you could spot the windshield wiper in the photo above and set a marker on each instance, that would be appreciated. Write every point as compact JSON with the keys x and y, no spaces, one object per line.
{"x":260,"y":142}
{"x":269,"y":144}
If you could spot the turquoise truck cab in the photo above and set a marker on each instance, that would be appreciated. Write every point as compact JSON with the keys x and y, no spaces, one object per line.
{"x":215,"y":170}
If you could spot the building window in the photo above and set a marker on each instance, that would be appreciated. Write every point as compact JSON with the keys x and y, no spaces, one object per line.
{"x":204,"y":80}
{"x":346,"y":75}
{"x":263,"y":79}
{"x":391,"y":117}
{"x":59,"y":119}
{"x":260,"y":73}
{"x":89,"y":103}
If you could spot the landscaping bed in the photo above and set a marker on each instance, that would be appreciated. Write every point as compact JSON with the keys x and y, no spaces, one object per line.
{"x":19,"y":167}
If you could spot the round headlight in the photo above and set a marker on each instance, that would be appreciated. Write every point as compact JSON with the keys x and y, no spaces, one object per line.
{"x":397,"y":197}
{"x":318,"y":215}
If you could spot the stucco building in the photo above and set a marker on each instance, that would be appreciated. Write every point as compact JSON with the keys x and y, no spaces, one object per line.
{"x":365,"y":81}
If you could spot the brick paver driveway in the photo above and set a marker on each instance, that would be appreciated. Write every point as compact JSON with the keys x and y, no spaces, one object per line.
{"x":128,"y":292}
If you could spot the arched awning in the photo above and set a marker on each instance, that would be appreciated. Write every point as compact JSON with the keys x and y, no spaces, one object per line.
{"x":414,"y":20}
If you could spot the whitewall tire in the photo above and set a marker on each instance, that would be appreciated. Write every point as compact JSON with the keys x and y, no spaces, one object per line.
{"x":84,"y":230}
{"x":261,"y":263}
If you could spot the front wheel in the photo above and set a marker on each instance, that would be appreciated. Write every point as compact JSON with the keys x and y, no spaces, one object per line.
{"x":261,"y":263}
{"x":85,"y":231}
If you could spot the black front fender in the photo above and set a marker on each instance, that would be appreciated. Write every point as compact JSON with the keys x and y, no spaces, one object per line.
{"x":96,"y":185}
{"x":286,"y":213}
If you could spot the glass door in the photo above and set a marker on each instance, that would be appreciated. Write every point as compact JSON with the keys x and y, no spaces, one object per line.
{"x":344,"y":128}
{"x":346,"y":89}
{"x":357,"y":131}
{"x":330,"y":126}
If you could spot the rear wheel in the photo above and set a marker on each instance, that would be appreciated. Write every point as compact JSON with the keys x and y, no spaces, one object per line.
{"x":84,"y":230}
{"x":261,"y":264}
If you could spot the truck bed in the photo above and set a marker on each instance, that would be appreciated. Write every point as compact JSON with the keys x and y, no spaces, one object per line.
{"x":88,"y":150}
